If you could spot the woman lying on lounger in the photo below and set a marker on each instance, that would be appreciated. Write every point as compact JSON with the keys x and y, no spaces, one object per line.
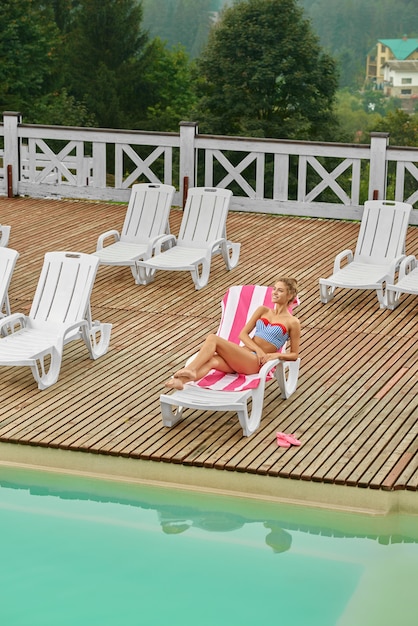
{"x":273,"y":327}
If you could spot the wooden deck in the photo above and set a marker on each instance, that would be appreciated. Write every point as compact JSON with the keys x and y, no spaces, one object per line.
{"x":356,"y":406}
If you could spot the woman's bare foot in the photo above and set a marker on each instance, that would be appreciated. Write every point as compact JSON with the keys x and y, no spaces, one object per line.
{"x":174,"y":383}
{"x":186,"y":373}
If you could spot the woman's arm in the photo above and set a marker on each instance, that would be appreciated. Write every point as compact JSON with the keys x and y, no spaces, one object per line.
{"x":244,"y":335}
{"x":293,"y":354}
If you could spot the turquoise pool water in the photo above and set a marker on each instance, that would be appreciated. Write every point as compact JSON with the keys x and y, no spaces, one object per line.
{"x":81,"y":552}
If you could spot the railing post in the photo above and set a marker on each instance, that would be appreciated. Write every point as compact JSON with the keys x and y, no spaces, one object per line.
{"x":99,"y":164}
{"x":378,"y":166}
{"x":188,"y":132}
{"x":11,"y":120}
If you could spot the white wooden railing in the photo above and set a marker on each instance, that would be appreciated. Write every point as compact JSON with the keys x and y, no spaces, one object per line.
{"x":266,"y":175}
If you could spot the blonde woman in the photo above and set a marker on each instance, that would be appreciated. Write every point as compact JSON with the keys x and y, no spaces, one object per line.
{"x":273,"y":328}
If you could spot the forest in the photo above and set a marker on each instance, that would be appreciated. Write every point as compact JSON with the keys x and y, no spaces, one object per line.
{"x":264,"y":68}
{"x":348,"y":29}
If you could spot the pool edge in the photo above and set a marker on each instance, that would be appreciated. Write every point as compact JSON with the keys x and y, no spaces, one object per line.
{"x":268,"y":488}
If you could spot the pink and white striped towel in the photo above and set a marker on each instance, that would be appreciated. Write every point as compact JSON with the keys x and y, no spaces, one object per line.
{"x":238,"y":304}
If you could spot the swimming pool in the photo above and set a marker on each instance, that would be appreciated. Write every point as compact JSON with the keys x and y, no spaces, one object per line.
{"x":80,"y":551}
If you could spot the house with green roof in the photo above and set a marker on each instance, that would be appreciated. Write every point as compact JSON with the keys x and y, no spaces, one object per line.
{"x":392,"y":66}
{"x":385,"y":50}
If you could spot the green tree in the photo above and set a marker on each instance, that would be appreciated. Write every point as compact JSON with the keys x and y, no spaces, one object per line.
{"x":170,"y":89}
{"x":402,"y":128}
{"x":185,"y":22}
{"x":374,"y":101}
{"x":63,"y":12}
{"x":60,"y":109}
{"x":264,"y":74}
{"x":403,"y":131}
{"x":29,"y":40}
{"x":354,"y":119}
{"x":105,"y":50}
{"x":125,"y":79}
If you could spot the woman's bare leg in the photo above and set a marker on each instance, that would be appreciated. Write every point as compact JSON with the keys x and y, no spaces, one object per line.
{"x":184,"y":375}
{"x":216,"y":353}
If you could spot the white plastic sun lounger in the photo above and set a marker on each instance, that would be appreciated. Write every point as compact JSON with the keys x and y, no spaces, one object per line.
{"x":145,"y":222}
{"x":60,"y":313}
{"x":379,"y":251}
{"x":407,"y":282}
{"x":234,"y":392}
{"x":202,"y":234}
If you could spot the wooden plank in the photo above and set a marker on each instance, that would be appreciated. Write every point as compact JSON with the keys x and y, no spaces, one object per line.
{"x":355,"y":408}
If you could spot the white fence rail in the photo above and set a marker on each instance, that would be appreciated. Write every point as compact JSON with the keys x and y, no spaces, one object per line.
{"x":269,"y":176}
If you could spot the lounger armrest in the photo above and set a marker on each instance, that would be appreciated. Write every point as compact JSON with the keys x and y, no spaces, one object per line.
{"x":395,"y":266}
{"x":156,"y":244}
{"x":408,"y":264}
{"x":8,"y":324}
{"x":267,"y":367}
{"x":344,"y":255}
{"x":70,"y":329}
{"x":218,"y":243}
{"x":4,"y":235}
{"x":219,"y":246}
{"x":165,"y":240}
{"x":110,"y":233}
{"x":64,"y":335}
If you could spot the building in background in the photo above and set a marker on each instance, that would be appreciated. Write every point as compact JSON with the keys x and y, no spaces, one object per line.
{"x":392,"y":66}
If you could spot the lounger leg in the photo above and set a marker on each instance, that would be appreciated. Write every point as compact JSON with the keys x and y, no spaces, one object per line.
{"x":47,"y":376}
{"x":97,"y":338}
{"x":392,"y":298}
{"x":135,"y":273}
{"x":201,"y":278}
{"x":145,"y":275}
{"x":244,"y":421}
{"x":381,"y":296}
{"x":170,"y":414}
{"x":326,"y":293}
{"x":5,"y":307}
{"x":287,"y":374}
{"x":251,"y":421}
{"x":4,"y":235}
{"x":230,"y":253}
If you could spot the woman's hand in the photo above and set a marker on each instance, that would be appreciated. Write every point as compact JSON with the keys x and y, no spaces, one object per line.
{"x":261,"y":355}
{"x":268,"y":357}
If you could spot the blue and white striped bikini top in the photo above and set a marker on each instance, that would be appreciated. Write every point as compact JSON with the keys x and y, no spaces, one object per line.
{"x":275,"y":334}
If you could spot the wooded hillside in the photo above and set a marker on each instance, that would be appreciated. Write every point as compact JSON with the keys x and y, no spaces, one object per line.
{"x":348,"y":29}
{"x":266,"y":69}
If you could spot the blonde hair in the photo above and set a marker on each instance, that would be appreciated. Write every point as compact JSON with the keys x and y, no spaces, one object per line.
{"x":291,"y":285}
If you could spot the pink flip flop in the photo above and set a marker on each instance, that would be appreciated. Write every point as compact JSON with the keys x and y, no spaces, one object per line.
{"x":289,"y":438}
{"x":281,"y":441}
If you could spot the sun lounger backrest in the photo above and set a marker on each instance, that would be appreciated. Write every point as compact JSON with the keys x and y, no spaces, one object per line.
{"x":238,"y":304}
{"x":64,"y":287}
{"x":8,"y":258}
{"x":147,"y":213}
{"x":382,"y":231}
{"x":205,"y":213}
